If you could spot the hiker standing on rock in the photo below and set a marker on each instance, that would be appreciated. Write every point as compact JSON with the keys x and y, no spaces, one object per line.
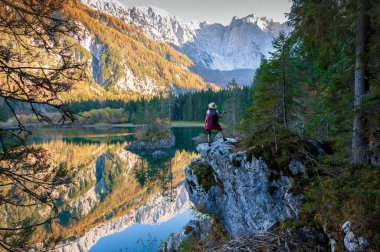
{"x":212,"y":121}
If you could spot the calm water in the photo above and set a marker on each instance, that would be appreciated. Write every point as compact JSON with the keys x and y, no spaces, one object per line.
{"x":109,"y":135}
{"x":118,"y":189}
{"x":142,"y":237}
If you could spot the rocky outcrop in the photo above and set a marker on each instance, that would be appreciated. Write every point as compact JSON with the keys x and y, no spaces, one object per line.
{"x":203,"y":139}
{"x":244,"y":192}
{"x":151,"y":145}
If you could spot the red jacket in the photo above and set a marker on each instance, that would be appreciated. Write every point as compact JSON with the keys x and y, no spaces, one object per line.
{"x":210,"y":124}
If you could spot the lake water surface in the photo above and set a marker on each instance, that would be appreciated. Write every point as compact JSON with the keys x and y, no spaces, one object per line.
{"x":121,"y":201}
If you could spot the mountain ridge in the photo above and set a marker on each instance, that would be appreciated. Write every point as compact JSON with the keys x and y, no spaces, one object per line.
{"x":123,"y":63}
{"x":216,"y":49}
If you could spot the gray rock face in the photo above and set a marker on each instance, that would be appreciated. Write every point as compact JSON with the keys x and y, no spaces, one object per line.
{"x":242,"y":194}
{"x":351,"y":242}
{"x":203,"y":139}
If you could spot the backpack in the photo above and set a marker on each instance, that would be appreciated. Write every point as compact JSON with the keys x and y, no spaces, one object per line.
{"x":214,"y":116}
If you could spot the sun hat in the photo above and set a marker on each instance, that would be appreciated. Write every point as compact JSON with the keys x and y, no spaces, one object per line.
{"x":212,"y":105}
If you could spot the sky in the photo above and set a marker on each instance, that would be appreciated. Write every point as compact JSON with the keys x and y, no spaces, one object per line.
{"x":220,"y":11}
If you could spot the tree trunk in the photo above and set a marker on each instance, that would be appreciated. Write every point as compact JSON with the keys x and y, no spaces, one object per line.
{"x":170,"y":110}
{"x":361,"y":84}
{"x":275,"y":135}
{"x":284,"y":89}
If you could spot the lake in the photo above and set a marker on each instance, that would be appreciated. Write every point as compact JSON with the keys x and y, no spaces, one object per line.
{"x":120,"y":201}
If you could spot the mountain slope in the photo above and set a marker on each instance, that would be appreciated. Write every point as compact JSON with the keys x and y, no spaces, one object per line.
{"x":125,"y":62}
{"x":156,"y":23}
{"x":219,"y":51}
{"x":240,"y":45}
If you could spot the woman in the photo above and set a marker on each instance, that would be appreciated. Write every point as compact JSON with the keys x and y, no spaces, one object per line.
{"x":212,"y":121}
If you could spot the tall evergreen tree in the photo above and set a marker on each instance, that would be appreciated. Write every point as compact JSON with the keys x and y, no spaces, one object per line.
{"x":359,"y":138}
{"x":233,"y":103}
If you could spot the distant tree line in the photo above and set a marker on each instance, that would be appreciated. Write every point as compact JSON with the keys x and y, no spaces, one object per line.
{"x":187,"y":106}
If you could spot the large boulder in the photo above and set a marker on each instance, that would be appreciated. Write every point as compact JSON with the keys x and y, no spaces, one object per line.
{"x":243,"y":191}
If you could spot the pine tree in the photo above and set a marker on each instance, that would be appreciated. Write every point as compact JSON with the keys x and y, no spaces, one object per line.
{"x":359,"y":137}
{"x":233,"y":104}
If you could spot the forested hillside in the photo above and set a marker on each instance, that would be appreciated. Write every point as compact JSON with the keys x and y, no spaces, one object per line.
{"x":322,"y":82}
{"x":185,"y":107}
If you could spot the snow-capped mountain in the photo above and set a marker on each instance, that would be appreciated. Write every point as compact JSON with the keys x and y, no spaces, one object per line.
{"x":212,"y":46}
{"x":156,"y":23}
{"x":240,"y":45}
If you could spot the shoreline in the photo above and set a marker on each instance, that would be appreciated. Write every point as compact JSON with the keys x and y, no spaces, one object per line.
{"x":174,"y":124}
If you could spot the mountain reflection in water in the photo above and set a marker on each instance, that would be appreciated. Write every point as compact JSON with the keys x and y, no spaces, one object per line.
{"x":115,"y":189}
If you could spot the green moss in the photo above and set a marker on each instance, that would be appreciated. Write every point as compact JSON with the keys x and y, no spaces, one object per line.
{"x":206,"y":175}
{"x":188,"y":230}
{"x":290,"y":146}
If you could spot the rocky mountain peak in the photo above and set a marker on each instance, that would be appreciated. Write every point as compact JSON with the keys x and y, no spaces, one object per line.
{"x":155,"y":22}
{"x":228,"y":51}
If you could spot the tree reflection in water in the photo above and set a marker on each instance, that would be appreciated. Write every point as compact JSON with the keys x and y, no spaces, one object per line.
{"x":157,"y":171}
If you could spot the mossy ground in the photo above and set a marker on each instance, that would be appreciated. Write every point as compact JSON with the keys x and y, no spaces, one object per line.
{"x":352,"y":195}
{"x":206,"y":176}
{"x":290,"y":147}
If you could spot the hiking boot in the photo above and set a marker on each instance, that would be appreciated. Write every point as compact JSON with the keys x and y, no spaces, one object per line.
{"x":224,"y":139}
